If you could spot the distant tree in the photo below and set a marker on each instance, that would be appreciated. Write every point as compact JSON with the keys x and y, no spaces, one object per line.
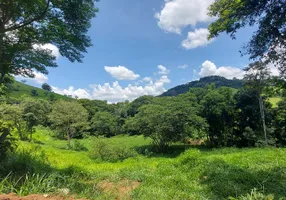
{"x":24,"y":81}
{"x":13,"y":113}
{"x":34,"y":113}
{"x":68,"y":117}
{"x":26,"y":26}
{"x":34,"y":93}
{"x":218,"y":110}
{"x":280,"y":123}
{"x":167,"y":121}
{"x":31,"y":122}
{"x":258,"y":78}
{"x":104,"y":123}
{"x":137,"y":103}
{"x":268,"y":43}
{"x":46,"y":87}
{"x":52,"y":97}
{"x":76,"y":97}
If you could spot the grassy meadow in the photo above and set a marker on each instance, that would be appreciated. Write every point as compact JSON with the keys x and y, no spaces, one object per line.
{"x":19,"y":89}
{"x":189,"y":173}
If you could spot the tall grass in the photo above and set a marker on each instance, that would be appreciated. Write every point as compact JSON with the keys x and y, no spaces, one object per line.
{"x":229,"y":173}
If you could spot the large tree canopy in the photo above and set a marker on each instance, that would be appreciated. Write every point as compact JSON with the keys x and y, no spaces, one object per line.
{"x":26,"y":26}
{"x":268,"y":43}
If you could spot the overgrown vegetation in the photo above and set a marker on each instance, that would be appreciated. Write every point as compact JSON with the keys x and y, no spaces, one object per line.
{"x":209,"y":139}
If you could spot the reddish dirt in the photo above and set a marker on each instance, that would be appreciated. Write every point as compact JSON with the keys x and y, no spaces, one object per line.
{"x":13,"y":196}
{"x":119,"y":190}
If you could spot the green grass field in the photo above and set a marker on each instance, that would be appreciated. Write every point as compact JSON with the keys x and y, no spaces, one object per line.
{"x":194,"y":173}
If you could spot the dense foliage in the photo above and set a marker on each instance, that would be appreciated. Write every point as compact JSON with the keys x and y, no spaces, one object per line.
{"x":27,"y":27}
{"x":268,"y":43}
{"x":217,"y":116}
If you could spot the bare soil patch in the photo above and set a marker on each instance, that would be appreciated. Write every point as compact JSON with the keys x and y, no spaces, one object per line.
{"x":120,"y":190}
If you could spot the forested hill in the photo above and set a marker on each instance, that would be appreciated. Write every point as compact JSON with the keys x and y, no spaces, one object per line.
{"x":217,"y":80}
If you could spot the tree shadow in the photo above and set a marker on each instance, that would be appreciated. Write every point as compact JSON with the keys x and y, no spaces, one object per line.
{"x":224,"y":180}
{"x":173,"y":151}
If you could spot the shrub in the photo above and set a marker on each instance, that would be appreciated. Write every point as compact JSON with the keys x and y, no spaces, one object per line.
{"x":78,"y":146}
{"x":106,"y":151}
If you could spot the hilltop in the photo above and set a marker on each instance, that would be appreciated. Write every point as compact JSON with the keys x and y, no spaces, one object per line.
{"x":217,"y":80}
{"x":18,"y":89}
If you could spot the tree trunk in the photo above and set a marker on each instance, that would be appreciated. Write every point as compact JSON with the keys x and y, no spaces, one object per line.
{"x":69,"y":141}
{"x":2,"y":74}
{"x":262,"y":113}
{"x":69,"y":138}
{"x":31,"y":135}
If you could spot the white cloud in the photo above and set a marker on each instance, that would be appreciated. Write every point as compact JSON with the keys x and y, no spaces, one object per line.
{"x":54,"y":50}
{"x":39,"y":78}
{"x":147,"y":79}
{"x":121,"y":73}
{"x":183,"y":66}
{"x":81,"y":93}
{"x":208,"y":68}
{"x":177,"y":14}
{"x":164,"y":79}
{"x":163,"y":70}
{"x":115,"y":92}
{"x":198,"y":38}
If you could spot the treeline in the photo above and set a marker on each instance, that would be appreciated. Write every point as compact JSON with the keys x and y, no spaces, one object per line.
{"x":219,"y":116}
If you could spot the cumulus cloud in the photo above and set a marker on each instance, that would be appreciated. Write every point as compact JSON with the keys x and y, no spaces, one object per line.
{"x":121,"y":73}
{"x":183,"y":66}
{"x":198,"y":38}
{"x":163,"y":70}
{"x":164,"y":79}
{"x":54,"y":50}
{"x":147,"y":79}
{"x":115,"y":92}
{"x":208,"y":68}
{"x":71,"y":91}
{"x":177,"y":14}
{"x":38,"y":79}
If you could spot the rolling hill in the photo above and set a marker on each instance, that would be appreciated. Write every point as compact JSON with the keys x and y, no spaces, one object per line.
{"x":18,"y":89}
{"x":217,"y":80}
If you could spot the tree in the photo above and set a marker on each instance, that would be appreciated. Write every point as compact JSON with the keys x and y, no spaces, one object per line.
{"x":280,"y":123}
{"x":68,"y":117}
{"x":218,"y":110}
{"x":34,"y":93}
{"x":268,"y":43}
{"x":166,"y":121}
{"x":46,"y":87}
{"x":26,"y":27}
{"x":31,"y":121}
{"x":103,"y":123}
{"x":34,"y":113}
{"x":258,"y":78}
{"x":24,"y":81}
{"x":13,"y":113}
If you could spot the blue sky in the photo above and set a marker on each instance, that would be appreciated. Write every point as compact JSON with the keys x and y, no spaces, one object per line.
{"x":146,"y":47}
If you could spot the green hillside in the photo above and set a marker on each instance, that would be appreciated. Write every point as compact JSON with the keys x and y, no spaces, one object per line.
{"x":18,"y":89}
{"x":217,"y":80}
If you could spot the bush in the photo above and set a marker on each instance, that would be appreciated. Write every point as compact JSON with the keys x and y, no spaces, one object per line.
{"x":78,"y":146}
{"x":106,"y":151}
{"x":21,"y":162}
